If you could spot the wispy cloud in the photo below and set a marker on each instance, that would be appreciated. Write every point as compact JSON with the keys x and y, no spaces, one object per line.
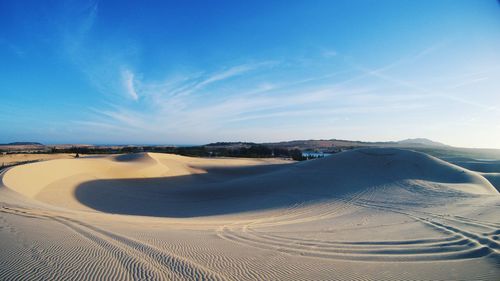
{"x":101,"y":62}
{"x":231,"y":72}
{"x":168,"y":111}
{"x":128,"y":84}
{"x":245,"y":99}
{"x":82,"y":18}
{"x":427,"y":92}
{"x":195,"y":83}
{"x":330,"y":53}
{"x":468,"y":82}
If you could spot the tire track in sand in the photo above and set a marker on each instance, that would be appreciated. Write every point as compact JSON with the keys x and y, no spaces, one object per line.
{"x":459,"y":244}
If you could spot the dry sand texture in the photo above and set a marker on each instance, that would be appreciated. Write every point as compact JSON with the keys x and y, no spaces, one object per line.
{"x":20,"y":158}
{"x":367,"y":214}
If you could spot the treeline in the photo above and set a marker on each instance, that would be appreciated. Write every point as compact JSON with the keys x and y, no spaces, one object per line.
{"x":258,"y":151}
{"x":251,"y":151}
{"x":87,"y":150}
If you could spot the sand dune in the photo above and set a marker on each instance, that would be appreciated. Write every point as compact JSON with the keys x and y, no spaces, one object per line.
{"x":485,"y":166}
{"x":493,"y":178}
{"x":489,"y":169}
{"x":383,"y":214}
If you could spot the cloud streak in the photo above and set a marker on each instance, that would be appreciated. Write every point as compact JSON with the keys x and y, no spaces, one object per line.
{"x":167,"y":110}
{"x":128,"y":84}
{"x":219,"y":104}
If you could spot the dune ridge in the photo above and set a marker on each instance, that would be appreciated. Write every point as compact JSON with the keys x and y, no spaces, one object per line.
{"x":163,"y":217}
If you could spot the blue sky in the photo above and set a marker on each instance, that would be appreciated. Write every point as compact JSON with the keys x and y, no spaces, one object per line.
{"x":193,"y":72}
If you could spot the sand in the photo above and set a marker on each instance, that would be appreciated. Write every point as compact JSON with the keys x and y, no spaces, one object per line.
{"x":22,"y":158}
{"x":366,"y":214}
{"x":489,"y":169}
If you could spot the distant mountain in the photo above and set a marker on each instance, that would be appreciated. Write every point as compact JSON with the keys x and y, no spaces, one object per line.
{"x":235,"y":143}
{"x":22,"y":143}
{"x":421,"y":141}
{"x":335,"y":144}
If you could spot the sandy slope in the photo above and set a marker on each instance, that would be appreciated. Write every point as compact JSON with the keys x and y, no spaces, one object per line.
{"x":489,"y":169}
{"x":384,"y":214}
{"x":493,"y":178}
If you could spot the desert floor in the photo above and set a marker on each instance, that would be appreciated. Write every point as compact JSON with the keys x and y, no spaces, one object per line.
{"x":366,"y":214}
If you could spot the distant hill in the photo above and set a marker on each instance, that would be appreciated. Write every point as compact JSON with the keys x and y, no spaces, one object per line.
{"x":335,"y":144}
{"x":329,"y":145}
{"x":332,"y":144}
{"x":421,"y":141}
{"x":231,"y":145}
{"x":22,"y":143}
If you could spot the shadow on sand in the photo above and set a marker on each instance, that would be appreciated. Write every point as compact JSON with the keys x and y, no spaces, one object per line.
{"x":218,"y":191}
{"x":222,"y":191}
